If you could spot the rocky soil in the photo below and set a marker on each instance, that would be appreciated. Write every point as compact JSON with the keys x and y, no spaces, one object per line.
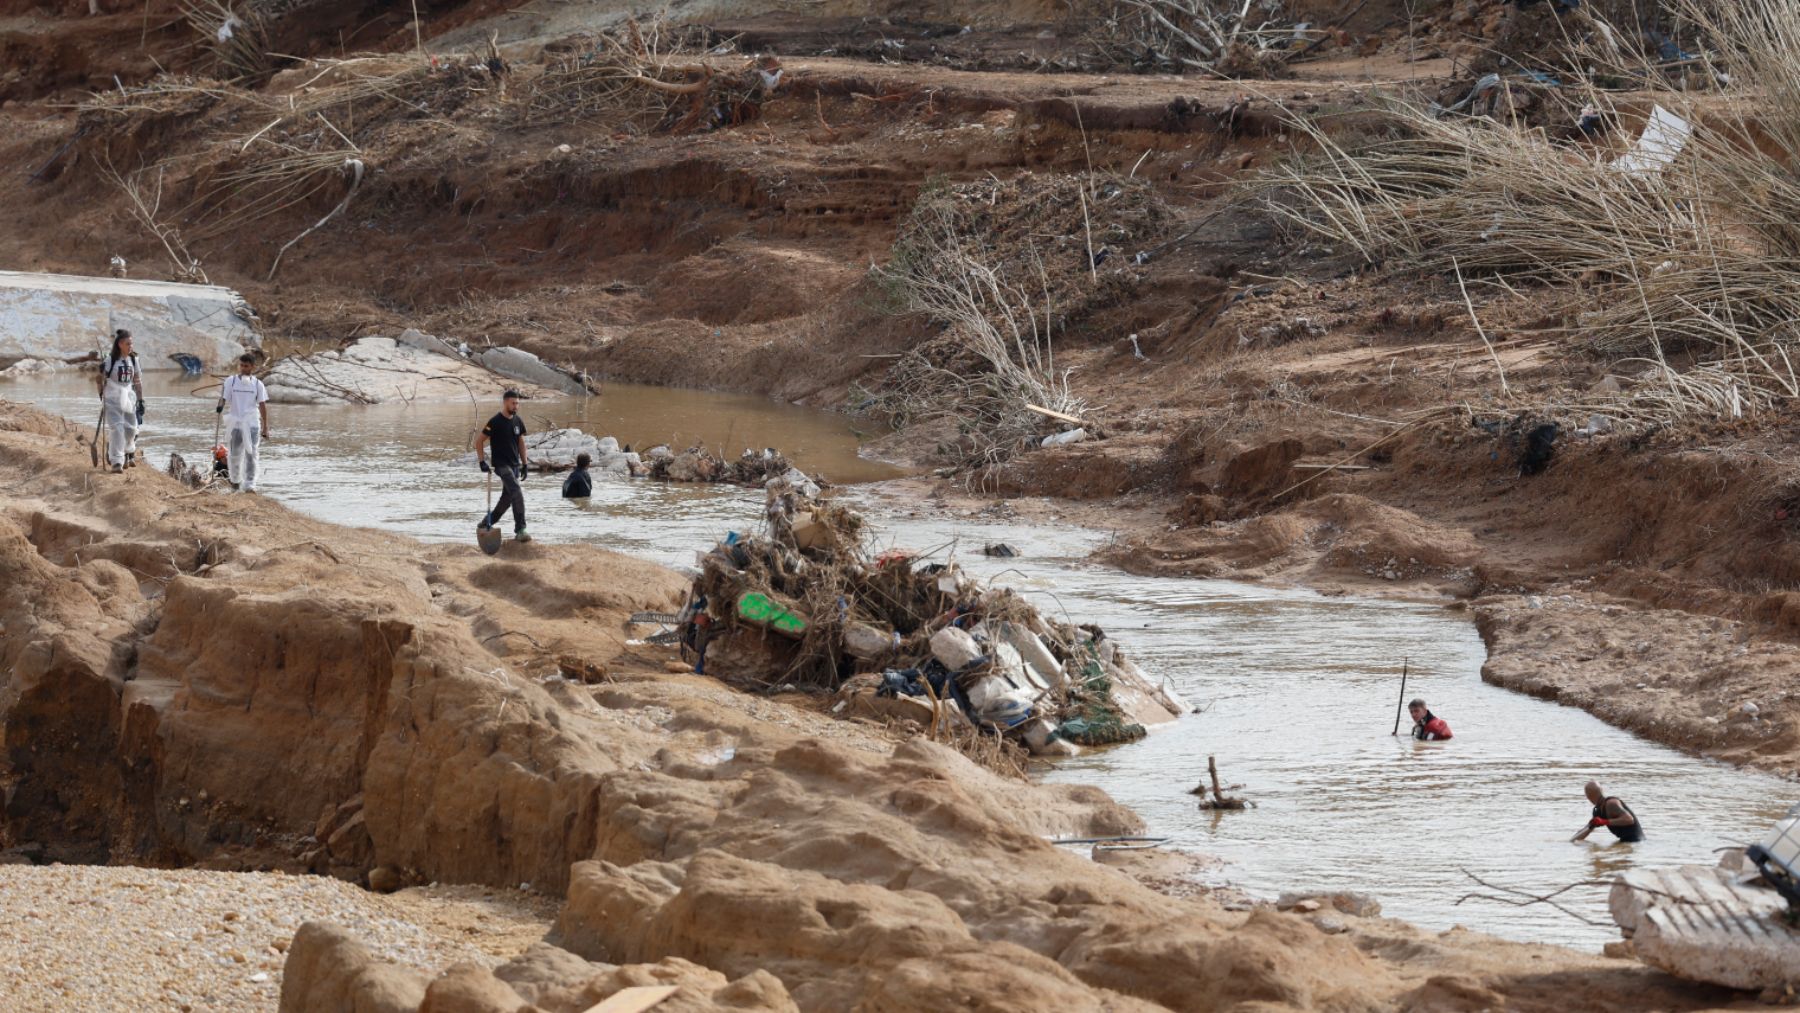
{"x":123,"y":938}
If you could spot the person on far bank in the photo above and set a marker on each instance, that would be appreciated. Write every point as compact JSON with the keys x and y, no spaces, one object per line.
{"x":579,"y":484}
{"x":1427,"y":727}
{"x":245,"y":403}
{"x":505,"y":433}
{"x":1611,"y":813}
{"x":121,"y":390}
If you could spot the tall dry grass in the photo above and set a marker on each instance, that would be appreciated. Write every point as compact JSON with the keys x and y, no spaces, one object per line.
{"x":1694,"y":258}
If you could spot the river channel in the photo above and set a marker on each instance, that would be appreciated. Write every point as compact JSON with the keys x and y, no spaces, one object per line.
{"x":1297,"y":690}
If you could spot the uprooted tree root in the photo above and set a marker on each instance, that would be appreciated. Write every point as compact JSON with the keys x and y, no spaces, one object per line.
{"x":1250,"y":39}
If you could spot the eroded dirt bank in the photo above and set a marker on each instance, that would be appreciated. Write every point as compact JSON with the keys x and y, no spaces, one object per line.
{"x":216,"y":680}
{"x":1195,"y":330}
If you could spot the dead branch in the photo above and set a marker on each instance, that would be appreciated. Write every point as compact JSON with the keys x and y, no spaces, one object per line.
{"x":145,"y":208}
{"x":356,"y":167}
{"x":1219,"y":799}
{"x":1522,"y":898}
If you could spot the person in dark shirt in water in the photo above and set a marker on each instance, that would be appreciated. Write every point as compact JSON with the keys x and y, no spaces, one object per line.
{"x":579,"y":485}
{"x":504,"y":439}
{"x":1611,"y":813}
{"x":1427,"y":727}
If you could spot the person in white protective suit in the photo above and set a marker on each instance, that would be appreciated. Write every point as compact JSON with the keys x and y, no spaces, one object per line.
{"x":245,"y":402}
{"x":121,"y":390}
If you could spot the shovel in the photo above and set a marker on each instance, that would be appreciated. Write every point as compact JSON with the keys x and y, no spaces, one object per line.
{"x":488,"y":538}
{"x":94,"y":446}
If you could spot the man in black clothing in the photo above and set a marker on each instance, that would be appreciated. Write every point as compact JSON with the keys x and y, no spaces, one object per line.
{"x":505,"y":432}
{"x":1611,"y":813}
{"x":579,"y":485}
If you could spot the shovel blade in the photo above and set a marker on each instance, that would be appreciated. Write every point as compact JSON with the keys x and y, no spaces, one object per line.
{"x":488,"y":539}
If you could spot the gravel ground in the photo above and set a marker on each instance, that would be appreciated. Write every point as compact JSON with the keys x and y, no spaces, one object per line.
{"x":93,"y":938}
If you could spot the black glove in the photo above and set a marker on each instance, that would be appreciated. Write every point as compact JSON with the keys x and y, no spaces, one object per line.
{"x":484,"y":465}
{"x":524,"y":470}
{"x":220,"y":410}
{"x":140,"y":413}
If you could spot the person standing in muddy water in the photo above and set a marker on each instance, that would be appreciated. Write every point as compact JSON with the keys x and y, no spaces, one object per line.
{"x":505,"y":432}
{"x":244,"y":402}
{"x":1427,"y":727}
{"x":121,"y":389}
{"x":1611,"y":813}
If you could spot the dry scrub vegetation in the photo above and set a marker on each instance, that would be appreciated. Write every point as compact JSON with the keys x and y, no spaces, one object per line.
{"x":1229,"y":38}
{"x":249,"y":151}
{"x":1681,"y":256}
{"x":1004,"y":268}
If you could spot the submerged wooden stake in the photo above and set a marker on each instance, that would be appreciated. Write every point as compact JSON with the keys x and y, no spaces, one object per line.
{"x":1219,"y":799}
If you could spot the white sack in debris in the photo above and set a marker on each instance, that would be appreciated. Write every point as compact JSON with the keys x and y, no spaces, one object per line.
{"x":798,"y":481}
{"x":869,"y":643}
{"x":954,"y":648}
{"x":1665,"y":134}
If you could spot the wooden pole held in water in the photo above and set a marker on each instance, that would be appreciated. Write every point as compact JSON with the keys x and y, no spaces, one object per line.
{"x":1401,"y":704}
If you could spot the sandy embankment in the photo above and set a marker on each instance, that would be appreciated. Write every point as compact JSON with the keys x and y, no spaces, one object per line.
{"x":218,"y":681}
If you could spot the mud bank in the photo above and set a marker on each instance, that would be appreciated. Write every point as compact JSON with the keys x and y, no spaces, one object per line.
{"x":220,"y":681}
{"x":1647,"y":585}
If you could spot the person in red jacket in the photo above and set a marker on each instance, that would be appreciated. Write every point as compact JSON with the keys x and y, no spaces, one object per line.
{"x":1426,"y":725}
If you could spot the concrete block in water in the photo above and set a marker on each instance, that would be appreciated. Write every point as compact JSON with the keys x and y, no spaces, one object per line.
{"x":64,"y":318}
{"x":518,"y":364}
{"x":418,"y":339}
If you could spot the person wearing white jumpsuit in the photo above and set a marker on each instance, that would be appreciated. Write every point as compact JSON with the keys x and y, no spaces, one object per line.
{"x":121,"y":398}
{"x":245,"y":402}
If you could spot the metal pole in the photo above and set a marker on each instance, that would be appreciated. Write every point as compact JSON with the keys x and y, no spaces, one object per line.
{"x":1400,"y":705}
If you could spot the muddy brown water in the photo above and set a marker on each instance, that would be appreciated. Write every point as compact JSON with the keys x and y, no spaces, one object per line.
{"x":1297,"y":690}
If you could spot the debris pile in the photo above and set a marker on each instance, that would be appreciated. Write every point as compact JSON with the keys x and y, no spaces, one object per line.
{"x":900,"y":637}
{"x":557,"y":449}
{"x":753,"y":468}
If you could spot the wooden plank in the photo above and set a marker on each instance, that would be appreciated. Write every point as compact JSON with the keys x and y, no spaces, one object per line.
{"x":635,"y":999}
{"x":1054,"y":415}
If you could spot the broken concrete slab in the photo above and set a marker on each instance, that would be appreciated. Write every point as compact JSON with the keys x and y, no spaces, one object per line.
{"x":519,"y":364}
{"x":376,"y":369}
{"x":70,"y":318}
{"x":1704,"y":923}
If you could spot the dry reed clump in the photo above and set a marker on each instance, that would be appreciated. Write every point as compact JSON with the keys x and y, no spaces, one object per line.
{"x":237,"y":35}
{"x":1002,"y":268}
{"x":650,"y":75}
{"x":1685,"y":246}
